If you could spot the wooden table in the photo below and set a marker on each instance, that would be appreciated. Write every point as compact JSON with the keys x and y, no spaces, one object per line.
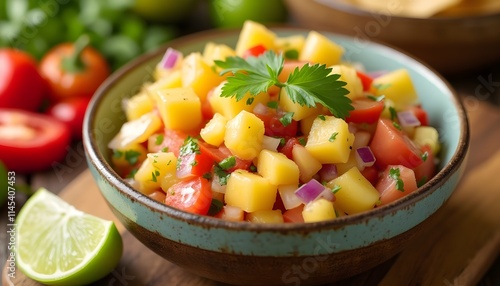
{"x":481,"y":93}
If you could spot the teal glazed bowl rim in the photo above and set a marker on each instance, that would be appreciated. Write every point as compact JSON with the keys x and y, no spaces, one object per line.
{"x":114,"y":188}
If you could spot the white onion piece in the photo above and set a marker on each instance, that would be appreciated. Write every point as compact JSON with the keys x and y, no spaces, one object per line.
{"x":260,"y":109}
{"x":408,"y":119}
{"x":310,"y":191}
{"x":270,"y":143}
{"x":216,"y":185}
{"x":288,"y":197}
{"x":361,"y":138}
{"x":327,"y":194}
{"x":365,"y":157}
{"x":170,"y":58}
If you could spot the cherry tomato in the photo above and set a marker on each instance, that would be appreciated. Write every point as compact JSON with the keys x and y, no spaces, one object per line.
{"x":365,"y":111}
{"x":391,"y":146}
{"x":21,"y":85}
{"x":71,"y":112}
{"x":254,"y":51}
{"x":193,"y":195}
{"x":73,"y":70}
{"x":30,"y":141}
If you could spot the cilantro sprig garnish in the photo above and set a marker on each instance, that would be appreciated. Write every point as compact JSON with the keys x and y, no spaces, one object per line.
{"x":307,"y":85}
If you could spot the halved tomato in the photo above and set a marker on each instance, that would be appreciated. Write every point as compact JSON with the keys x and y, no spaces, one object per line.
{"x":31,"y":141}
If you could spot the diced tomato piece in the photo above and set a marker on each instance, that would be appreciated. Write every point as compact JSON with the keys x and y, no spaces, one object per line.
{"x":425,"y":171}
{"x":294,"y":215}
{"x":421,"y":115}
{"x":365,"y":111}
{"x":194,"y":164}
{"x":396,"y":182}
{"x":172,"y":141}
{"x":366,"y":80}
{"x":371,"y":174}
{"x":254,"y":51}
{"x":206,"y":108}
{"x":221,"y":153}
{"x":288,"y":147}
{"x":392,"y":147}
{"x":192,"y":195}
{"x":278,"y":204}
{"x":273,"y":125}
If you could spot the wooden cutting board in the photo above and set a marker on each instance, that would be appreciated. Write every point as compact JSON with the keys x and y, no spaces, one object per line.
{"x":459,"y":246}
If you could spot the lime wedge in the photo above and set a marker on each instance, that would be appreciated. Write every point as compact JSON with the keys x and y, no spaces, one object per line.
{"x":60,"y":245}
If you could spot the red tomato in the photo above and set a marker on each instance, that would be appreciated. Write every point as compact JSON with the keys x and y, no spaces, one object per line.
{"x":194,"y":164}
{"x":21,"y":86}
{"x":388,"y":184}
{"x":425,"y":171}
{"x":172,"y":141}
{"x":294,"y":215}
{"x":366,"y":80}
{"x":288,"y":147}
{"x":371,"y":174}
{"x":192,"y":195}
{"x":254,"y":51}
{"x":365,"y":111}
{"x":392,"y":147}
{"x":73,"y":70}
{"x":30,"y":141}
{"x":221,"y":153}
{"x":71,"y":112}
{"x":421,"y":115}
{"x":273,"y":125}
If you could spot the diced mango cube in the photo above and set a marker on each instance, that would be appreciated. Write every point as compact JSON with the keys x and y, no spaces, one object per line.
{"x":356,"y":193}
{"x":427,"y":135}
{"x":253,"y":34}
{"x":215,"y":51}
{"x":229,"y":106}
{"x":244,"y":135}
{"x":351,"y":162}
{"x":199,"y":75}
{"x":277,"y":168}
{"x":299,"y":111}
{"x":320,"y":49}
{"x":265,"y":216}
{"x":136,"y":131}
{"x":126,"y":158}
{"x":170,"y":80}
{"x":398,"y":87}
{"x":329,"y":140}
{"x":318,"y":210}
{"x":349,"y":76}
{"x":250,"y":192}
{"x":307,"y":163}
{"x":180,"y":108}
{"x":214,"y":130}
{"x":138,"y":105}
{"x":153,"y":169}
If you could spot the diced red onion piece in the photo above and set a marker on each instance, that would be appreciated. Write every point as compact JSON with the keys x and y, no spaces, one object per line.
{"x":408,"y":119}
{"x":365,"y":157}
{"x":328,"y":172}
{"x":361,"y":138}
{"x":310,"y":191}
{"x":170,"y":58}
{"x":260,"y":109}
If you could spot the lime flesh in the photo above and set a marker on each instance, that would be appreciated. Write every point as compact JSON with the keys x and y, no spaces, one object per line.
{"x":60,"y":245}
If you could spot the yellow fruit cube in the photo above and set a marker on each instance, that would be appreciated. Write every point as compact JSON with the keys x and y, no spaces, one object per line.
{"x":349,"y":76}
{"x":229,"y":107}
{"x":138,"y":105}
{"x":265,"y":216}
{"x":290,"y":43}
{"x":351,"y":162}
{"x":244,"y":135}
{"x":180,"y":108}
{"x":128,"y":157}
{"x":398,"y":87}
{"x":427,"y":135}
{"x":199,"y":75}
{"x":253,"y":34}
{"x":329,"y":140}
{"x":136,"y":131}
{"x":307,"y":163}
{"x":153,"y":169}
{"x":318,"y":210}
{"x":277,"y":168}
{"x":356,"y":193}
{"x":249,"y":191}
{"x":299,"y":111}
{"x":214,"y":130}
{"x":215,"y":51}
{"x":170,"y":80}
{"x":320,"y":49}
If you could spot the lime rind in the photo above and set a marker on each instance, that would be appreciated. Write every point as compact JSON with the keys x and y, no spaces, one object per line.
{"x":60,"y":245}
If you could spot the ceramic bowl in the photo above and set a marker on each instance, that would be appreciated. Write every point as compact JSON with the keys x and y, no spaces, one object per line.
{"x":450,"y":44}
{"x":271,"y":254}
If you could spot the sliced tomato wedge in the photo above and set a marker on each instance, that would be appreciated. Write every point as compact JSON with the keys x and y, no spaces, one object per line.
{"x":366,"y":80}
{"x":31,"y":141}
{"x":392,"y":147}
{"x":365,"y":111}
{"x":192,"y":195}
{"x":396,"y":182}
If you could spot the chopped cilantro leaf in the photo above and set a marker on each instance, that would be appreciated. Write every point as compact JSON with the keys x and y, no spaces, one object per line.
{"x":395,"y":174}
{"x":396,"y":125}
{"x":215,"y":207}
{"x":422,"y":181}
{"x":292,"y":54}
{"x":336,"y":188}
{"x":117,"y":154}
{"x":302,"y":141}
{"x":228,"y":163}
{"x":222,"y":175}
{"x":132,"y":156}
{"x":393,"y":113}
{"x":333,"y":137}
{"x":272,"y":104}
{"x":207,"y":176}
{"x":286,"y":119}
{"x":322,"y":117}
{"x":376,"y":98}
{"x":159,"y":139}
{"x":424,"y":156}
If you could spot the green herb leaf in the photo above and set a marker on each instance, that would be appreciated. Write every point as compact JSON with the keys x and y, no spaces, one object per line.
{"x":228,"y":163}
{"x":376,"y":98}
{"x":424,"y":156}
{"x":132,"y":156}
{"x":322,"y":117}
{"x":333,"y":137}
{"x":215,"y":207}
{"x":286,"y":119}
{"x":221,"y":174}
{"x":382,"y":86}
{"x":272,"y":104}
{"x":190,"y":146}
{"x":302,"y":141}
{"x":393,"y":112}
{"x":159,"y":139}
{"x":307,"y":86}
{"x":117,"y":154}
{"x":422,"y":181}
{"x":292,"y":54}
{"x":336,"y":188}
{"x":395,"y":174}
{"x":396,"y":125}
